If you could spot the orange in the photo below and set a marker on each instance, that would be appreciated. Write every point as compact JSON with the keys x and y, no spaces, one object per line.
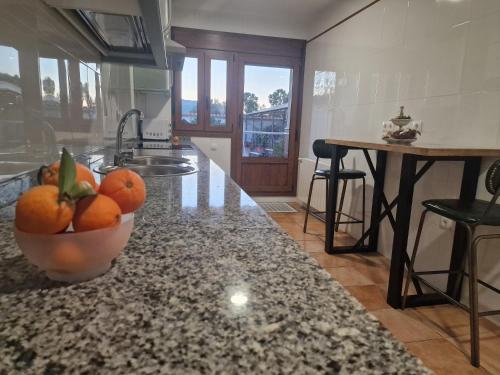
{"x":126,"y":188}
{"x":96,"y":212}
{"x":40,"y":211}
{"x":50,"y":174}
{"x":67,"y":257}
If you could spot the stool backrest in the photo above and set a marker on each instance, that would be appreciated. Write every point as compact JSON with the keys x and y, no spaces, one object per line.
{"x":323,"y":150}
{"x":493,"y":177}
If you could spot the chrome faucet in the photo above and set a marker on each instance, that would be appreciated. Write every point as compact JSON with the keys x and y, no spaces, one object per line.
{"x":119,"y":156}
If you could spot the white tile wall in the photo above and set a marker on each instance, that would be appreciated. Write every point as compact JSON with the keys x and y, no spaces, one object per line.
{"x":36,"y":42}
{"x":438,"y":58}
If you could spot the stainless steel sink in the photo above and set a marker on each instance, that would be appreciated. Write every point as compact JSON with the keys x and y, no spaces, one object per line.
{"x":154,"y":166}
{"x":163,"y":170}
{"x":9,"y":169}
{"x":156,"y":160}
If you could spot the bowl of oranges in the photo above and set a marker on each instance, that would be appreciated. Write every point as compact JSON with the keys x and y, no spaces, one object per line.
{"x":72,"y":228}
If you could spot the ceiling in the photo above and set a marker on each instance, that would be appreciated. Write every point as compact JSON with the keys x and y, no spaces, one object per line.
{"x":285,"y":18}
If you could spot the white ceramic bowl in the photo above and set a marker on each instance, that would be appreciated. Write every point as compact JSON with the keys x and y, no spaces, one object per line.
{"x":76,"y":257}
{"x":401,"y":121}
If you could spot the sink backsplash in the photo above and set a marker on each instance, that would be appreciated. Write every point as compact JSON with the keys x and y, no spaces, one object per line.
{"x":54,"y":92}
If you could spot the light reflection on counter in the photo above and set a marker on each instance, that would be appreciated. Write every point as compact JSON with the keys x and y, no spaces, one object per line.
{"x":190,"y":190}
{"x":190,"y":186}
{"x":246,"y":201}
{"x":239,"y":299}
{"x":217,"y":186}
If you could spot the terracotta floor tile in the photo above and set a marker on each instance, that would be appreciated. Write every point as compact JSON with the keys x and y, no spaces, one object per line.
{"x":294,"y":218}
{"x":378,"y":274}
{"x":444,"y":358}
{"x":331,"y":261}
{"x":372,"y":297}
{"x":489,"y":349}
{"x":341,"y":239}
{"x":348,"y":276}
{"x":373,"y":259}
{"x":284,"y":221}
{"x":315,"y":228}
{"x":315,"y":246}
{"x":404,"y":327}
{"x":450,"y":321}
{"x":296,"y":233}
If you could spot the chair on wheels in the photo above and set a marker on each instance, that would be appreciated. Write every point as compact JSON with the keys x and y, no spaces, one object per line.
{"x":470,"y":215}
{"x":322,"y":150}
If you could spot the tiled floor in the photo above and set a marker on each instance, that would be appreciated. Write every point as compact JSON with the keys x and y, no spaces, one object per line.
{"x":439,"y":335}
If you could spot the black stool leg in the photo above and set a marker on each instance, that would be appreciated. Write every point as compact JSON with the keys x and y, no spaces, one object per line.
{"x":412,"y":259}
{"x":308,"y":203}
{"x":473,"y":298}
{"x":363,"y":210}
{"x":341,"y":204}
{"x":327,"y":182}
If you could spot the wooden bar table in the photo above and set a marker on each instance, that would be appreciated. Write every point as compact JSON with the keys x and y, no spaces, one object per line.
{"x":409,"y":176}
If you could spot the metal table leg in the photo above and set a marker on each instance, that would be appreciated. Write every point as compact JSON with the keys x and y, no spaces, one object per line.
{"x":378,"y":194}
{"x":403,"y":216}
{"x":331,"y":204}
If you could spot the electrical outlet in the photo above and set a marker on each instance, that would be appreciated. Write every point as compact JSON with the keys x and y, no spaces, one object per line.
{"x":445,"y":223}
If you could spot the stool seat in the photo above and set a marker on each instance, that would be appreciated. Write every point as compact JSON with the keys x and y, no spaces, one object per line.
{"x":344,"y":174}
{"x":467,"y":212}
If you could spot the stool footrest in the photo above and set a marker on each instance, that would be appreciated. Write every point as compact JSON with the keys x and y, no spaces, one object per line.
{"x":353,"y":220}
{"x":452,"y":300}
{"x":489,"y":313}
{"x":483,"y":283}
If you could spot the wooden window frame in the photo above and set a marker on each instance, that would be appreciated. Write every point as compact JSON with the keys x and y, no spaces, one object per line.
{"x":229,"y":57}
{"x":203,"y":126}
{"x":241,"y":45}
{"x":178,"y":125}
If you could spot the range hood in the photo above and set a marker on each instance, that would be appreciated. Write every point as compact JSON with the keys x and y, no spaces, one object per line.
{"x":135,"y":32}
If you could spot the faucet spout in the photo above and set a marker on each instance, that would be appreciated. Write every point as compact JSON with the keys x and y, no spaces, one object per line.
{"x":118,"y":160}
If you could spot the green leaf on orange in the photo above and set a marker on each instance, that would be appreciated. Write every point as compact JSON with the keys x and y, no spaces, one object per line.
{"x":81,"y":189}
{"x":67,"y":173}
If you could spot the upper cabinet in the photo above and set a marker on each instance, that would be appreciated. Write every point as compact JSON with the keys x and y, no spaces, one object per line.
{"x":135,"y":32}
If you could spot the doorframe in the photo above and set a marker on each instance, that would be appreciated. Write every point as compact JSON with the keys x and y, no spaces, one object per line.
{"x":236,"y":43}
{"x":295,"y":64}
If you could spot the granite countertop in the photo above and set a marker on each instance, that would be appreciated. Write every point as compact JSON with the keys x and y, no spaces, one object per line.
{"x":207,"y":284}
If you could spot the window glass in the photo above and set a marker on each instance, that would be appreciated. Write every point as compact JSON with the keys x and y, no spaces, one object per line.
{"x":50,"y":88}
{"x":11,"y":103}
{"x":218,"y":85}
{"x":189,"y":90}
{"x":91,"y":94}
{"x":84,"y":87}
{"x":266,"y":111}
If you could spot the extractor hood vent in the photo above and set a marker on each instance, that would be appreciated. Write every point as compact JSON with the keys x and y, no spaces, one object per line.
{"x":117,"y":32}
{"x":126,"y":31}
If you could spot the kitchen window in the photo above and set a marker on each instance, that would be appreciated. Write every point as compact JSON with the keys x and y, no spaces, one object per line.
{"x":202,"y":93}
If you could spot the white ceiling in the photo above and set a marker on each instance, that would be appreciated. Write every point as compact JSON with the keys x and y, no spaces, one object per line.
{"x":284,"y":18}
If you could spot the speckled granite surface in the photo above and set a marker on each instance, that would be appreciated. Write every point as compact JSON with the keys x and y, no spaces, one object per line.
{"x":207,"y":284}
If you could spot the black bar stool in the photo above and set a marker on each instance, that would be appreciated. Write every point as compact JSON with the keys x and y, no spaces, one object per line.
{"x":322,"y":150}
{"x":470,"y":215}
